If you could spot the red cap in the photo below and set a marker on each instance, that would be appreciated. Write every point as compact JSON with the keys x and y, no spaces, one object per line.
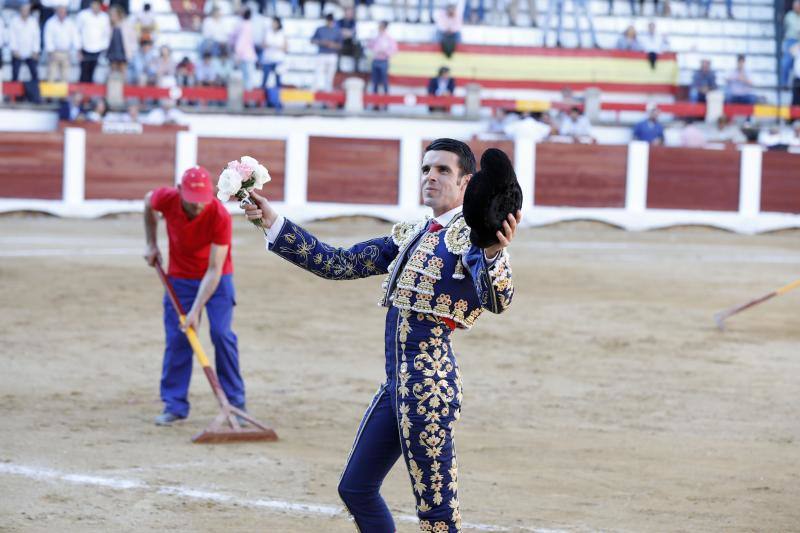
{"x":196,"y":187}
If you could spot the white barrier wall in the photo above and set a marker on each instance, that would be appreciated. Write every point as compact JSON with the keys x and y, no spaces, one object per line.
{"x":296,"y":133}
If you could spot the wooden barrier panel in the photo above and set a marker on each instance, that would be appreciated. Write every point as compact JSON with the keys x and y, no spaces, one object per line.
{"x":31,"y":165}
{"x":580,"y":175}
{"x":126,"y":166}
{"x":213,"y":153}
{"x":693,"y":178}
{"x":780,"y":182}
{"x":353,"y":171}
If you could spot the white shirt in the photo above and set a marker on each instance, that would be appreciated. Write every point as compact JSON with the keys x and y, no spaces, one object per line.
{"x":274,"y":44}
{"x":95,"y":30}
{"x":215,"y":30}
{"x":60,"y":36}
{"x":24,"y":37}
{"x":2,"y":34}
{"x":653,"y":42}
{"x":577,"y":128}
{"x":527,"y":128}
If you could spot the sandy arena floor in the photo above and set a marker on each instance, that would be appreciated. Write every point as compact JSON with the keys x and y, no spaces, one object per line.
{"x":604,"y":400}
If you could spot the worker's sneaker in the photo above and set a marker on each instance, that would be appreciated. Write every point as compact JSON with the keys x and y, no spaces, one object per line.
{"x":166,"y":419}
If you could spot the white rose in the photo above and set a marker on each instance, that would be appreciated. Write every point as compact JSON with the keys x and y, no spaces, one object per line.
{"x":249,"y":161}
{"x":261,"y":174}
{"x":228,"y":184}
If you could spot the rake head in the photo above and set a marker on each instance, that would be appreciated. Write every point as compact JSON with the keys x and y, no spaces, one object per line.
{"x":234,"y":425}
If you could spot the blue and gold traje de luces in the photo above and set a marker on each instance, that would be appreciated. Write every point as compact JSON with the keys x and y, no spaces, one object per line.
{"x":430,"y":277}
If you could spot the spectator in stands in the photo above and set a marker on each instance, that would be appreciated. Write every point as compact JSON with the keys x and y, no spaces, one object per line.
{"x":71,"y":109}
{"x":132,"y":113}
{"x":165,"y":68}
{"x":123,"y":44}
{"x":166,"y":114}
{"x":692,"y":136}
{"x":61,"y":42}
{"x":448,"y":28}
{"x":400,"y":10}
{"x":143,"y":67}
{"x":632,"y":4}
{"x":25,"y":43}
{"x":739,"y":88}
{"x":262,"y":7}
{"x":419,"y":10}
{"x":629,"y":41}
{"x":703,"y":81}
{"x":260,"y":25}
{"x":501,"y":118}
{"x":653,"y":43}
{"x":350,"y":45}
{"x":579,"y":6}
{"x":94,"y":27}
{"x":215,"y":34}
{"x":568,"y":98}
{"x":795,"y":50}
{"x":656,"y":11}
{"x":649,"y":130}
{"x":328,"y":39}
{"x":146,"y":26}
{"x":791,"y":37}
{"x":2,"y":49}
{"x":443,"y":84}
{"x":474,"y":11}
{"x":383,"y":47}
{"x":207,"y":72}
{"x":725,"y":132}
{"x":776,"y":138}
{"x":99,"y":111}
{"x":728,"y":7}
{"x":184,"y":72}
{"x":274,"y":54}
{"x":513,"y":10}
{"x":300,"y":6}
{"x":532,"y":126}
{"x":244,"y":49}
{"x":577,"y":126}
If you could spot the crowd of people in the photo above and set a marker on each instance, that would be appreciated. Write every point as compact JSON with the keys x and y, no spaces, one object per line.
{"x":256,"y":47}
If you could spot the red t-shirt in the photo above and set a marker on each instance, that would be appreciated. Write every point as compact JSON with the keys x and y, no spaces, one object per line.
{"x":190,"y":240}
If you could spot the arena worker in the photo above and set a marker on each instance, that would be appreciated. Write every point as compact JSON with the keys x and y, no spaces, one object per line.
{"x":201,"y":272}
{"x":436,"y":281}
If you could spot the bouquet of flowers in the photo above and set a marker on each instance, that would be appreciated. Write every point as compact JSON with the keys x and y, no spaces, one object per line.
{"x":239,"y":178}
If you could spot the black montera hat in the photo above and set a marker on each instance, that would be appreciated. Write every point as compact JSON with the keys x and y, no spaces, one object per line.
{"x":492,"y":193}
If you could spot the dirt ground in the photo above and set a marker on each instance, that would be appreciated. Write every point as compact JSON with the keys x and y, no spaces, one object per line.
{"x":603,"y":400}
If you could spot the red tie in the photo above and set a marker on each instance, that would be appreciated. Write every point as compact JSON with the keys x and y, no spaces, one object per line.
{"x":435,"y":226}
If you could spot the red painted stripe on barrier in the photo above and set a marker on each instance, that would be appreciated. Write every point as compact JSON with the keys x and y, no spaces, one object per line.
{"x":531,"y":50}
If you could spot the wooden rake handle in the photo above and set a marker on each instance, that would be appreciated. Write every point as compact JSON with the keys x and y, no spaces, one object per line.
{"x":720,"y":317}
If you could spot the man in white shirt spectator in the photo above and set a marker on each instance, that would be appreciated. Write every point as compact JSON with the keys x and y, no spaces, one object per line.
{"x":25,"y":43}
{"x":94,"y":27}
{"x":576,"y":126}
{"x":653,"y":43}
{"x":383,"y":47}
{"x":61,"y":41}
{"x":215,"y":34}
{"x":739,"y":88}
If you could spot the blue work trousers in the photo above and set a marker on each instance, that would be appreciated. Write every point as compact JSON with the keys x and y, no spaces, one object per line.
{"x":177,"y":369}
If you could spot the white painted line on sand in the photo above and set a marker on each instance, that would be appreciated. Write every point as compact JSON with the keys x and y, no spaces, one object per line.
{"x":69,"y":252}
{"x":329,"y":511}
